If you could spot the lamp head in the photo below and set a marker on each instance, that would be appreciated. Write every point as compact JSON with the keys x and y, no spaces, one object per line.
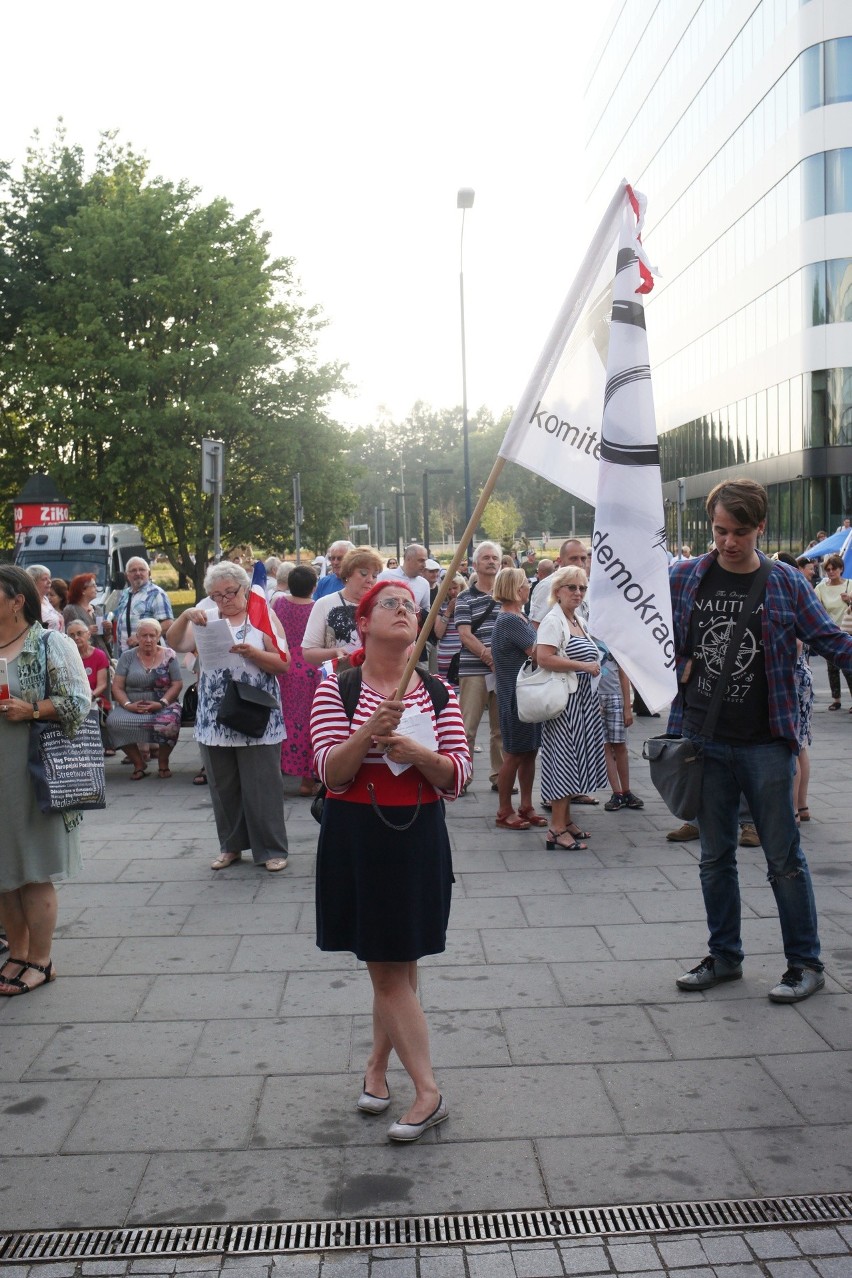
{"x":464,"y":199}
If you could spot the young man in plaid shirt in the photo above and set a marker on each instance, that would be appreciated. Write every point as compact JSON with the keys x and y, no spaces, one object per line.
{"x":756,"y":736}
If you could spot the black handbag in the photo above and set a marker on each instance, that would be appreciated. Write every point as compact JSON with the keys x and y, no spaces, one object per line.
{"x":246,"y":709}
{"x":189,"y":707}
{"x":677,"y":763}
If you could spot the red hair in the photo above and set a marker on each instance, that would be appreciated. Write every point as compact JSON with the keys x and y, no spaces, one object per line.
{"x":365,"y":609}
{"x":77,"y":585}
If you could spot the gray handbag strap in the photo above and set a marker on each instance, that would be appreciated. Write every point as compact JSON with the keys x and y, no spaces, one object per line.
{"x":715,"y":706}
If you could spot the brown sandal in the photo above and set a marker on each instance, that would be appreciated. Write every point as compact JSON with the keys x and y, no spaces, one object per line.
{"x":512,"y":821}
{"x":530,"y":815}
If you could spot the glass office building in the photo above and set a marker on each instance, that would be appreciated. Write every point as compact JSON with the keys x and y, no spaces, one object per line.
{"x":734,"y":117}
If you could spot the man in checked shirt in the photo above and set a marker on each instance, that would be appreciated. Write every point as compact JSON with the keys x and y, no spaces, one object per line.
{"x":752,"y":749}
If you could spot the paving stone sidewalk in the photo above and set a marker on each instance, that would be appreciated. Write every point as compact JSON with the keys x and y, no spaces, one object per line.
{"x":199,"y":1058}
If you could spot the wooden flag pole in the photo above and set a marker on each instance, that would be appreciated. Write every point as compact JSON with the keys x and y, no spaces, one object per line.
{"x":444,"y":587}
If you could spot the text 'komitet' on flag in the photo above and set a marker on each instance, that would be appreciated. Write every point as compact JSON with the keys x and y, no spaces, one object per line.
{"x":586,"y":422}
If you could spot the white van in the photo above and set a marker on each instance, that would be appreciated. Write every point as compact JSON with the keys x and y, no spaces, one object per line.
{"x":69,"y":549}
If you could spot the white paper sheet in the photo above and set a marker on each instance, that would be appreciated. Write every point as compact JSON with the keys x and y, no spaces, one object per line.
{"x":213,"y":643}
{"x":418,"y":725}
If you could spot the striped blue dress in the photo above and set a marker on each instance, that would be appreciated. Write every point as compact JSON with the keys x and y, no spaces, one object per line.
{"x":572,"y":757}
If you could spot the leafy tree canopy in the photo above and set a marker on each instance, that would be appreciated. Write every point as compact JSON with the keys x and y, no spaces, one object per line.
{"x":135,"y":320}
{"x":393,"y":456}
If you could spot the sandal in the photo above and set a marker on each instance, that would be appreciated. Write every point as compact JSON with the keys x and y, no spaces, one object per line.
{"x":224,"y":859}
{"x":138,"y":773}
{"x":164,"y":773}
{"x":835,"y":705}
{"x":574,"y":830}
{"x":804,"y":814}
{"x":512,"y":821}
{"x":553,"y":838}
{"x":201,"y":778}
{"x":21,"y":987}
{"x":585,"y":800}
{"x":530,"y":815}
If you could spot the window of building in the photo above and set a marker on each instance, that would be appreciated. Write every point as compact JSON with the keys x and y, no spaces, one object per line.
{"x":838,"y":288}
{"x":811,"y":87}
{"x":838,"y":180}
{"x":813,"y":186}
{"x":838,"y":71}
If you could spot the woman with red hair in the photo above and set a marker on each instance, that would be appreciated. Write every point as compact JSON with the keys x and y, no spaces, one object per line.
{"x":82,"y":589}
{"x":384,"y":868}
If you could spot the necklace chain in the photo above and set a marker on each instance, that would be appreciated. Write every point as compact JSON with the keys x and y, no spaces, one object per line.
{"x":11,"y":641}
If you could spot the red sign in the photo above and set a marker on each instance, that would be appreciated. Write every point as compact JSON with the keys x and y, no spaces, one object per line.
{"x":38,"y":516}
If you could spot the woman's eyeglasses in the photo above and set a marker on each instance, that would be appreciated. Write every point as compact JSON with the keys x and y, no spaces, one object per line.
{"x":393,"y":605}
{"x":226,"y":595}
{"x":570,"y":586}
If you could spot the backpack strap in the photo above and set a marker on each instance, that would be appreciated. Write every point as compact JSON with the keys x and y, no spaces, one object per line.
{"x":349,"y":683}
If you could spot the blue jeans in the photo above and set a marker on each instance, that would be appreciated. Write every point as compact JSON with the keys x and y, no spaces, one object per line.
{"x":764,"y":775}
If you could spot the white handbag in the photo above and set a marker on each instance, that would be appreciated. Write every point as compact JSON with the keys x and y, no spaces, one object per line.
{"x":543,"y":694}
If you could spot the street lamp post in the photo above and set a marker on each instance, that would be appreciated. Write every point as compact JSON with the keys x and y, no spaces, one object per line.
{"x":426,"y":474}
{"x":399,"y":497}
{"x":464,"y":201}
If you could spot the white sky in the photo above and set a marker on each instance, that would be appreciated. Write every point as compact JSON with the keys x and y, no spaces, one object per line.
{"x":351,"y":127}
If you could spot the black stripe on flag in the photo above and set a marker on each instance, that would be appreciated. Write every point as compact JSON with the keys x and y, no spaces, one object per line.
{"x":626,"y":258}
{"x":628,"y":313}
{"x":640,"y":373}
{"x":630,"y":454}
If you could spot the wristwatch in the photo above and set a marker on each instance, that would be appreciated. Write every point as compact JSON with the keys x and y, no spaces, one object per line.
{"x":36,"y":711}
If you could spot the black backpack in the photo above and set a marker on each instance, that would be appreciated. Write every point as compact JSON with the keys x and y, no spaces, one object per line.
{"x":349,"y":683}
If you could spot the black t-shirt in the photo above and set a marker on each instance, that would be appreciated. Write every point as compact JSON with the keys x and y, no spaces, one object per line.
{"x":744,"y":714}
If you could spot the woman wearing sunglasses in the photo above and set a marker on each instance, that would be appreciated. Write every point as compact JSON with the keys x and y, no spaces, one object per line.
{"x":384,"y":869}
{"x":573,"y":760}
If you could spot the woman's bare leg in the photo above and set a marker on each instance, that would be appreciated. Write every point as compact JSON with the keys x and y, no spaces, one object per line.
{"x":506,"y":782}
{"x":377,"y":1063}
{"x":402,"y":1019}
{"x":17,"y":933}
{"x":38,"y":907}
{"x":526,"y":776}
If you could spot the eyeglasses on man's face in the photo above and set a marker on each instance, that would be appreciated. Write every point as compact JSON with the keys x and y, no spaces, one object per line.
{"x":225,"y":596}
{"x":393,"y":605}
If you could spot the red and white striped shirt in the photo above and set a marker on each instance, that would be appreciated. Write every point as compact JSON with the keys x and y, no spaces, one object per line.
{"x":330,"y":726}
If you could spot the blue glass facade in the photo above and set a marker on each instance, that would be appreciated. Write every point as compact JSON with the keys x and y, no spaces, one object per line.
{"x":735,"y":119}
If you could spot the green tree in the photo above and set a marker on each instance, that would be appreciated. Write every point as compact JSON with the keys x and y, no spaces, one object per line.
{"x":501,"y":520}
{"x":135,"y":320}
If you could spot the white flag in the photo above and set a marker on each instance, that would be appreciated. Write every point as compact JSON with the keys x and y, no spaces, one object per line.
{"x":555,"y":429}
{"x":586,"y":423}
{"x":629,"y":598}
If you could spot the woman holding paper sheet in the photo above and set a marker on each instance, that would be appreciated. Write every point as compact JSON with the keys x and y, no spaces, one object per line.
{"x":384,"y":869}
{"x":244,"y":772}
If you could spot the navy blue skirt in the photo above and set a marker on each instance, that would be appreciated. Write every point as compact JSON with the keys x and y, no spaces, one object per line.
{"x":383,"y":894}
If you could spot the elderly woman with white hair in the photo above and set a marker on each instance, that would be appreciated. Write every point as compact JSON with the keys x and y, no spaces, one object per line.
{"x":572,"y":756}
{"x":145,"y":690}
{"x":51,"y":618}
{"x":244,"y":772}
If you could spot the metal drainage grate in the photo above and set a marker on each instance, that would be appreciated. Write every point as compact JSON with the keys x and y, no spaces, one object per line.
{"x":420,"y":1231}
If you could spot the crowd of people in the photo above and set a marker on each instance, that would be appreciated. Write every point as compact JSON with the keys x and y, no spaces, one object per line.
{"x":311,"y":688}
